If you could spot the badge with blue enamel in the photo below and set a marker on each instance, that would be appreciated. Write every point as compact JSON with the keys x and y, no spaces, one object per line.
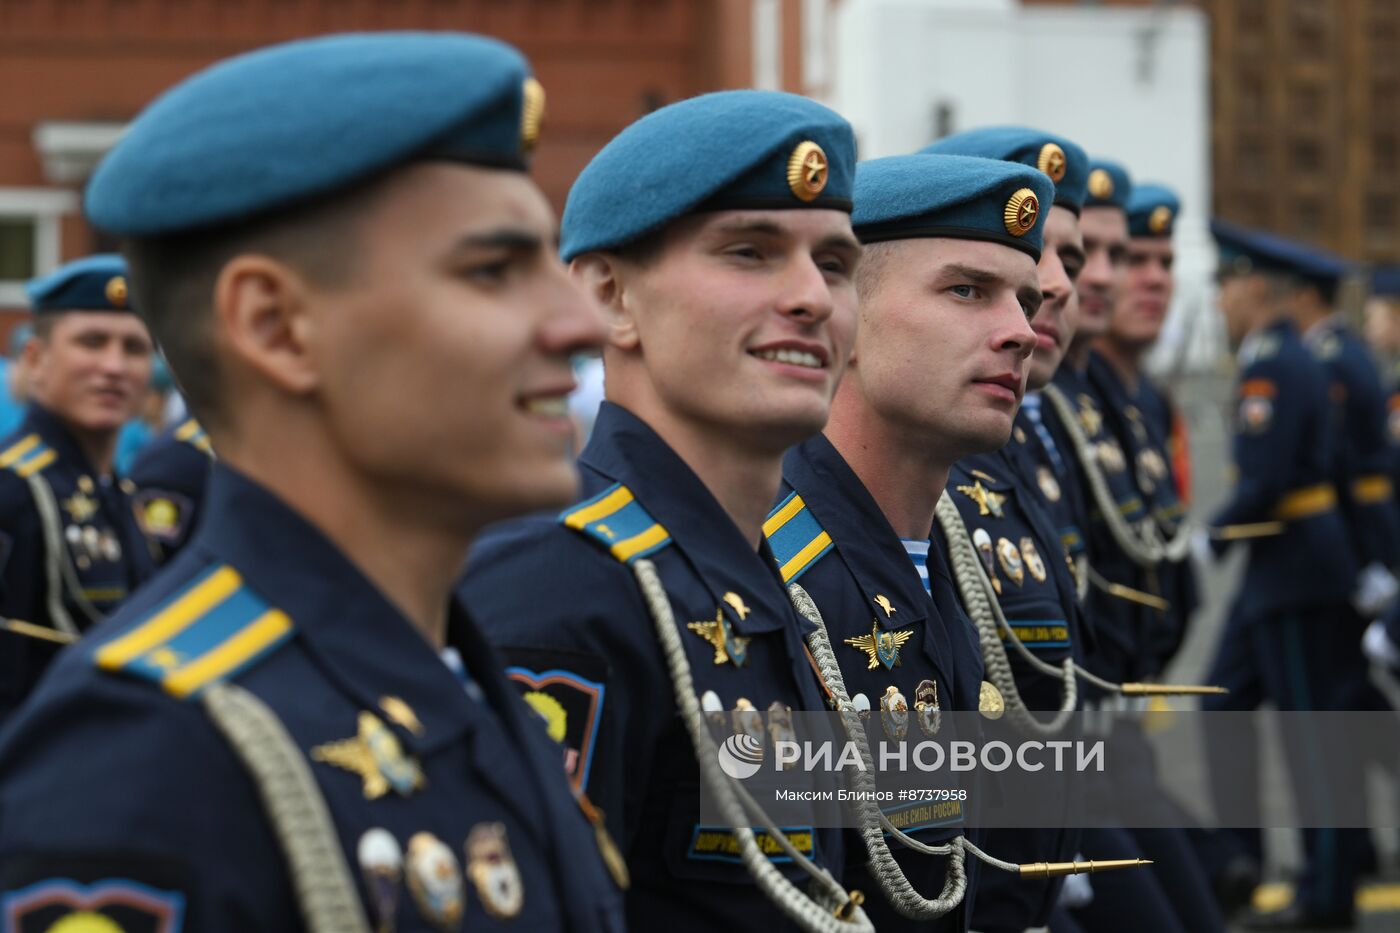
{"x":376,"y":756}
{"x":881,"y":647}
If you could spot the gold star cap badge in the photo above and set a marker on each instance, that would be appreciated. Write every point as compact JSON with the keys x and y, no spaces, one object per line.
{"x":116,"y":291}
{"x":1159,"y":219}
{"x":1051,"y":161}
{"x":807,"y":171}
{"x":531,"y":114}
{"x":1022,"y":210}
{"x":1101,"y":183}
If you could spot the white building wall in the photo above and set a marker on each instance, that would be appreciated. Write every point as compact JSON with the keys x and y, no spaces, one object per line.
{"x":1127,"y":84}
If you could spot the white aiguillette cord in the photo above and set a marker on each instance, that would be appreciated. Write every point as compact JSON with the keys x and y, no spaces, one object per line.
{"x":1143,"y":544}
{"x":835,"y":911}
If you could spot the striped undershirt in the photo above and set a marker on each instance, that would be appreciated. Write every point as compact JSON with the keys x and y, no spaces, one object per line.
{"x":918,"y":553}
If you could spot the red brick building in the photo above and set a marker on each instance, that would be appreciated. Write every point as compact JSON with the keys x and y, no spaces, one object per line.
{"x":73,"y":72}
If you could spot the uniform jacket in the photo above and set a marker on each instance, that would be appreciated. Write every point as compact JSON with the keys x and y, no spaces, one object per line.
{"x":170,"y":476}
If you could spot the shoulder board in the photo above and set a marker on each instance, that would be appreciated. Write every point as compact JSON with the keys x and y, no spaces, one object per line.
{"x":1268,"y":347}
{"x":205,"y":632}
{"x":616,"y":520}
{"x":795,"y":537}
{"x":27,"y":456}
{"x":192,"y":433}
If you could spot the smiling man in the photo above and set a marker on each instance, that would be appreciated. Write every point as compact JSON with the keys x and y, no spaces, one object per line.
{"x":70,"y":551}
{"x":716,"y":235}
{"x":339,"y":250}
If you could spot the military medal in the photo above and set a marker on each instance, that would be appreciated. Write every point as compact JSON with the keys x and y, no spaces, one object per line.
{"x":493,"y":871}
{"x":1010,"y":561}
{"x":990,"y":702}
{"x":435,"y":881}
{"x":381,"y":865}
{"x":376,"y":756}
{"x":884,"y":603}
{"x":111,"y":548}
{"x":780,"y":726}
{"x":80,"y":506}
{"x":861,"y":703}
{"x":1034,"y":565}
{"x":401,"y":714}
{"x":881,"y":647}
{"x":1049,"y":486}
{"x":1111,"y":456}
{"x":1089,"y":417}
{"x":926,"y":707}
{"x":747,"y":720}
{"x":736,"y":602}
{"x":720,"y":635}
{"x":988,"y":502}
{"x":712,"y":707}
{"x":1019,"y":433}
{"x":983,"y":541}
{"x":894,"y":713}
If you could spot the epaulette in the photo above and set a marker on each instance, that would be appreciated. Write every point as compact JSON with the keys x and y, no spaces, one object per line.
{"x":616,"y":520}
{"x":796,"y":538}
{"x":27,"y":456}
{"x":205,"y":632}
{"x":192,"y":433}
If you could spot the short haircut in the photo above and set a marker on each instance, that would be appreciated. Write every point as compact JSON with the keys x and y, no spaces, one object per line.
{"x":173,"y":278}
{"x":873,"y":267}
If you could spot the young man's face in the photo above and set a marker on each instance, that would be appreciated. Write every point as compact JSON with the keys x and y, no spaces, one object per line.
{"x":742,"y":322}
{"x":445,"y":362}
{"x":1147,"y":292}
{"x":1105,"y":231}
{"x":1240,"y":298}
{"x":944,"y":335}
{"x":1061,"y":261}
{"x":93,"y":369}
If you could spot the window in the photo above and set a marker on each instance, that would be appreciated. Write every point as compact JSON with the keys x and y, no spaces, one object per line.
{"x":29,"y":237}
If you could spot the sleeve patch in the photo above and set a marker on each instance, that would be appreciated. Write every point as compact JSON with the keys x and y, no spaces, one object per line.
{"x":1256,"y":414}
{"x":1260,"y":388}
{"x":567,"y":692}
{"x":118,"y":893}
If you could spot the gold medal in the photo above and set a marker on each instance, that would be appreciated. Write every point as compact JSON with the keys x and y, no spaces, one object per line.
{"x":494,"y":872}
{"x":435,"y":881}
{"x":990,"y":702}
{"x":376,"y":756}
{"x":1089,"y":417}
{"x":720,"y":634}
{"x":1010,"y":561}
{"x":881,"y":647}
{"x":1049,"y":486}
{"x":988,"y":502}
{"x":1034,"y":565}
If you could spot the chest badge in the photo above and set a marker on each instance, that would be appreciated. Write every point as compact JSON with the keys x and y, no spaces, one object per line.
{"x":881,"y":647}
{"x":884,"y":603}
{"x":988,"y":502}
{"x":990,"y":703}
{"x":1049,"y":486}
{"x":930,"y":716}
{"x":736,"y":602}
{"x":494,"y":872}
{"x":894,"y":713}
{"x":720,"y":635}
{"x":1031,"y":556}
{"x":381,"y":866}
{"x":435,"y":881}
{"x":983,"y":542}
{"x":1089,"y":417}
{"x":80,"y":506}
{"x":376,"y":756}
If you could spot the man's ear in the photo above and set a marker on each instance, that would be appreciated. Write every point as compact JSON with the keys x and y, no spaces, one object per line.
{"x":601,"y":276}
{"x":260,"y":305}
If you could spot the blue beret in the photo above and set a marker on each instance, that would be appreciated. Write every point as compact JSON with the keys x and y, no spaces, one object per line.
{"x":732,"y":150}
{"x":1065,"y":162}
{"x":960,"y":197}
{"x":1152,"y":211}
{"x":1108,"y":186}
{"x":287,"y":123}
{"x":1243,"y":249}
{"x":93,"y":283}
{"x":1386,"y":281}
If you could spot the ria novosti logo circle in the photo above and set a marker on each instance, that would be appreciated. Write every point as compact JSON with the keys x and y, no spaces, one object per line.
{"x":740,"y":756}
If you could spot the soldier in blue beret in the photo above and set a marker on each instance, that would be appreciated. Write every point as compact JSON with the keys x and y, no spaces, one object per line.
{"x":295,"y":725}
{"x":952,"y":244}
{"x":715,"y":232}
{"x":170,"y":475}
{"x":1288,"y":636}
{"x":70,"y":551}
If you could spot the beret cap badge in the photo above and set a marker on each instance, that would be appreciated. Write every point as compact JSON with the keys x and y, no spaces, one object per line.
{"x":116,"y":291}
{"x":1160,"y":219}
{"x":1022,"y":209}
{"x":807,"y":171}
{"x":531,"y":114}
{"x":1100,"y":184}
{"x":1051,"y":161}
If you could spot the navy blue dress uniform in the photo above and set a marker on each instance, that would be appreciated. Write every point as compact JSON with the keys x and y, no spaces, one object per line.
{"x":1283,"y":641}
{"x":70,"y":548}
{"x":170,"y":475}
{"x":558,"y":594}
{"x":259,"y":732}
{"x":901,"y":638}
